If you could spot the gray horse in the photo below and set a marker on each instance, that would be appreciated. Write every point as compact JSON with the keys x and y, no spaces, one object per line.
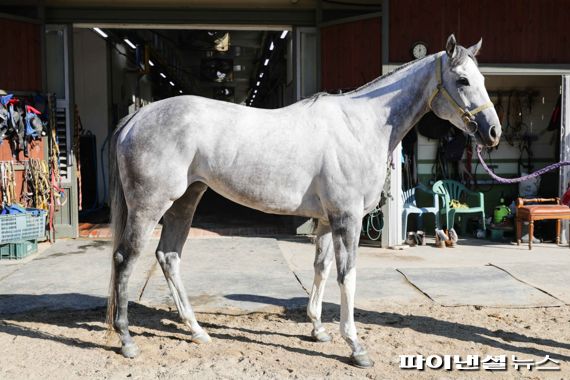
{"x":325,"y":157}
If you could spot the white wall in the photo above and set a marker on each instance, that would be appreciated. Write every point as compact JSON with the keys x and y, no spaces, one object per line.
{"x":90,"y":69}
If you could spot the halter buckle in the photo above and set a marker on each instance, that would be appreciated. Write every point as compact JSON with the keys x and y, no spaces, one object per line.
{"x":467,"y":117}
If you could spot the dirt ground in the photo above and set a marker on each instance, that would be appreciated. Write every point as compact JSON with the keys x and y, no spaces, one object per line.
{"x":273,"y":344}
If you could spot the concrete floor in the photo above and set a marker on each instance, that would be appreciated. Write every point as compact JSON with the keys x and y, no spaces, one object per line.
{"x":248,"y":273}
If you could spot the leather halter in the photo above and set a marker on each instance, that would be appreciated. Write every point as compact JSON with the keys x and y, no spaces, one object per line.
{"x":468,"y":116}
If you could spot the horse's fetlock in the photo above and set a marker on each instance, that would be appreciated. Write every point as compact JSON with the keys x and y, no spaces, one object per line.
{"x":121,"y":325}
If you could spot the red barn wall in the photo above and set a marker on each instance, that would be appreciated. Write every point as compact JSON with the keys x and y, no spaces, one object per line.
{"x":513,"y":31}
{"x":20,"y":64}
{"x":351,"y":54}
{"x":20,"y":70}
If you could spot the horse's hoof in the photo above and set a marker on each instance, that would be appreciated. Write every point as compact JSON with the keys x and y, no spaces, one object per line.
{"x":130,"y":350}
{"x":201,"y":337}
{"x":321,"y":336}
{"x":361,"y":360}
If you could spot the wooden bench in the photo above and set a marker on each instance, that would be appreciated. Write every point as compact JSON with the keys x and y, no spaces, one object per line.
{"x":531,"y":212}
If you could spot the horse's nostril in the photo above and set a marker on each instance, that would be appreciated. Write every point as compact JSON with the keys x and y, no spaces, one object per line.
{"x":493,"y":132}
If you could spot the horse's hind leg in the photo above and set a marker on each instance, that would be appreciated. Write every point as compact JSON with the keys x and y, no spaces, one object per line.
{"x":345,"y":235}
{"x":139,"y":226}
{"x":323,"y":261}
{"x":176,"y":225}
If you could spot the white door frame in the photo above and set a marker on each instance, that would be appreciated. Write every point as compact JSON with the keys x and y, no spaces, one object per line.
{"x":392,"y":210}
{"x":564,"y":147}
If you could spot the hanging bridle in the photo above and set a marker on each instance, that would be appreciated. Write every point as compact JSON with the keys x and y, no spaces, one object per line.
{"x":466,"y":115}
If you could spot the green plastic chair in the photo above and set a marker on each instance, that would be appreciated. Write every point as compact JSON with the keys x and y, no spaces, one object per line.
{"x":450,"y":190}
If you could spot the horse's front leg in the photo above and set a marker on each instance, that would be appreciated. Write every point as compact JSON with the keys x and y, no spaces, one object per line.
{"x":323,"y":261}
{"x":345,"y":235}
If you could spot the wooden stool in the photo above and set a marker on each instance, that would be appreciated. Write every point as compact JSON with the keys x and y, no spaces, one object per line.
{"x":530,"y":213}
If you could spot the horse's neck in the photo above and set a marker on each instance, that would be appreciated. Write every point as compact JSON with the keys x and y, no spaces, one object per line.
{"x":400,"y":99}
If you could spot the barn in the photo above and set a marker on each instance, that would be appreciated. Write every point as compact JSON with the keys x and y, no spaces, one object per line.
{"x":98,"y":60}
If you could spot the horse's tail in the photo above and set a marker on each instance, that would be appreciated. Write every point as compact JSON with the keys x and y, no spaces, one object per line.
{"x":118,"y":219}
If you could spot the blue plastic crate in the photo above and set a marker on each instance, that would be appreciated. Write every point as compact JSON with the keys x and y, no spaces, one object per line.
{"x":17,"y":227}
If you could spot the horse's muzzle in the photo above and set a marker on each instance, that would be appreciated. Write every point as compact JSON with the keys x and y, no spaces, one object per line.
{"x":494,"y":135}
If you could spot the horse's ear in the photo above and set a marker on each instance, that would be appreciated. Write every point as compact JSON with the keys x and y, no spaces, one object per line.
{"x":451,"y":46}
{"x":474,"y":50}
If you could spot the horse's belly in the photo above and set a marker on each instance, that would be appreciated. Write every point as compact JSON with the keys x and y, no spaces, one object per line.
{"x":271,"y":196}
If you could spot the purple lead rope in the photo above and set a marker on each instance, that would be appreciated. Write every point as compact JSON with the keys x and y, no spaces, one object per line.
{"x":519,"y":179}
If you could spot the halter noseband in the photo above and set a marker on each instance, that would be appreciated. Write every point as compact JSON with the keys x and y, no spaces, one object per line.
{"x":466,"y":115}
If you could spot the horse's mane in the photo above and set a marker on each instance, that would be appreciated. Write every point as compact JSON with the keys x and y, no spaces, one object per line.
{"x":461,"y":55}
{"x":317,"y":95}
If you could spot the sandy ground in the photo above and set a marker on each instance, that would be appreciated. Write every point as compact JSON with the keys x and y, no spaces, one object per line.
{"x":273,"y":344}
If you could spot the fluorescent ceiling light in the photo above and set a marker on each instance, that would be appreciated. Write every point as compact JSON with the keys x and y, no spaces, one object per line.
{"x":261,"y":75}
{"x":150,"y":62}
{"x":284,"y":34}
{"x":255,"y":91}
{"x":171,"y":83}
{"x":180,"y":91}
{"x":100,"y":32}
{"x":272,"y":46}
{"x":162,"y":75}
{"x":258,"y":83}
{"x":129,"y":43}
{"x":266,"y":62}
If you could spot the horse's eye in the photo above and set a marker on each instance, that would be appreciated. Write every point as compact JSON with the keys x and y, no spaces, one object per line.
{"x":463,"y":81}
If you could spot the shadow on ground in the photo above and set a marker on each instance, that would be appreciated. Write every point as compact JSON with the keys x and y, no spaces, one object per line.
{"x":153,"y":323}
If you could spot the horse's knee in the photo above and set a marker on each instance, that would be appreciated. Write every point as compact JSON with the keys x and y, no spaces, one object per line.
{"x":346,"y":265}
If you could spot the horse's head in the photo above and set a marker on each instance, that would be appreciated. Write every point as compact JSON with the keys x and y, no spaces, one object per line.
{"x":461,"y":96}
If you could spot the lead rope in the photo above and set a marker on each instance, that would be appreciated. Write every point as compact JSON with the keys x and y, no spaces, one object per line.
{"x":519,"y":179}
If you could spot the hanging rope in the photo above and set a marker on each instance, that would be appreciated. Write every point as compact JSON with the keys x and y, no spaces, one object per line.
{"x":518,"y":179}
{"x":36,"y":187}
{"x":77,"y":131}
{"x":56,"y":193}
